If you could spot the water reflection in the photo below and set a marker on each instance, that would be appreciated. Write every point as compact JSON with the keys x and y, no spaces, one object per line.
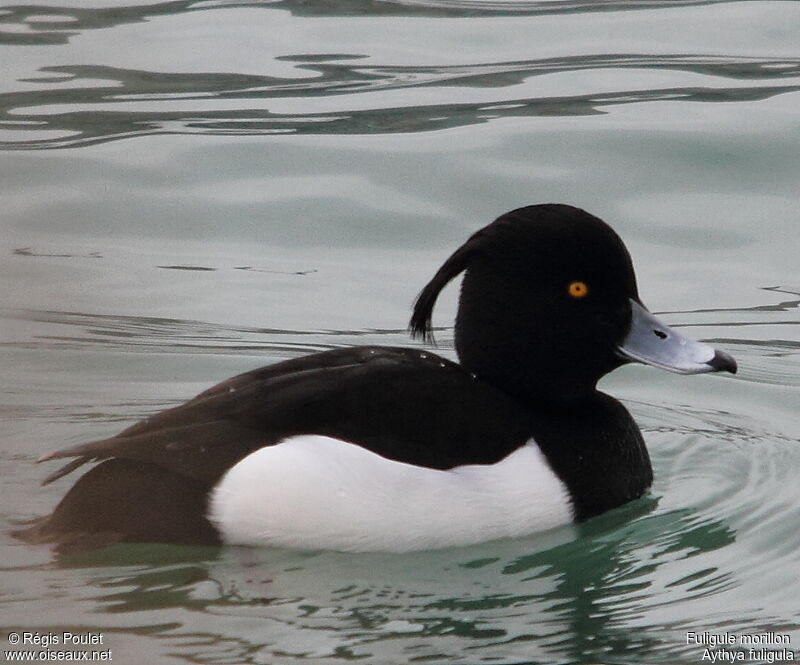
{"x":188,"y":103}
{"x":568,"y":594}
{"x":149,"y":334}
{"x":27,"y":251}
{"x":48,"y":25}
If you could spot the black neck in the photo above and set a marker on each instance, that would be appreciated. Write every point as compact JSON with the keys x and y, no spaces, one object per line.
{"x":597,"y":450}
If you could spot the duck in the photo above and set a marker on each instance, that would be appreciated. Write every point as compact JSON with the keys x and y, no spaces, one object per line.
{"x":379,"y":448}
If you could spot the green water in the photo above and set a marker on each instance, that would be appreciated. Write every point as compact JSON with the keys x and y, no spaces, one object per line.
{"x":192,"y":189}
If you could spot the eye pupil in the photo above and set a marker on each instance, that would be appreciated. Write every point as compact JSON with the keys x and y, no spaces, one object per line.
{"x":577,"y":289}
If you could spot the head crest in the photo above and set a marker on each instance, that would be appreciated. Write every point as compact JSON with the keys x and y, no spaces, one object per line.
{"x":420,"y":324}
{"x":509,"y":230}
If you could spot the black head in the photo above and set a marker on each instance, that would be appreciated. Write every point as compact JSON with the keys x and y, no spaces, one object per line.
{"x":545,"y":302}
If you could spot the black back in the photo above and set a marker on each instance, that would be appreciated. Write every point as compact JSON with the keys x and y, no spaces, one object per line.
{"x":404,"y":404}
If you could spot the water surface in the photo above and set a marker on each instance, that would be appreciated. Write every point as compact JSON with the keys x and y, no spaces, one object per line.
{"x":194,"y":189}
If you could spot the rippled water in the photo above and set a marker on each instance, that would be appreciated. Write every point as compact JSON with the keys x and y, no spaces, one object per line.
{"x":193,"y":189}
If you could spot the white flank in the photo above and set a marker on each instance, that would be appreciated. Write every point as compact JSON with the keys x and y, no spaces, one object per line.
{"x":317,"y":492}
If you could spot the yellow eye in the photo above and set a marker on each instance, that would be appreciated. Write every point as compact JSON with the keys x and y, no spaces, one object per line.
{"x":578,"y":290}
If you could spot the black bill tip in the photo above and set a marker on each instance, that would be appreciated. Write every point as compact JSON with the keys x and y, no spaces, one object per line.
{"x":722,"y":362}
